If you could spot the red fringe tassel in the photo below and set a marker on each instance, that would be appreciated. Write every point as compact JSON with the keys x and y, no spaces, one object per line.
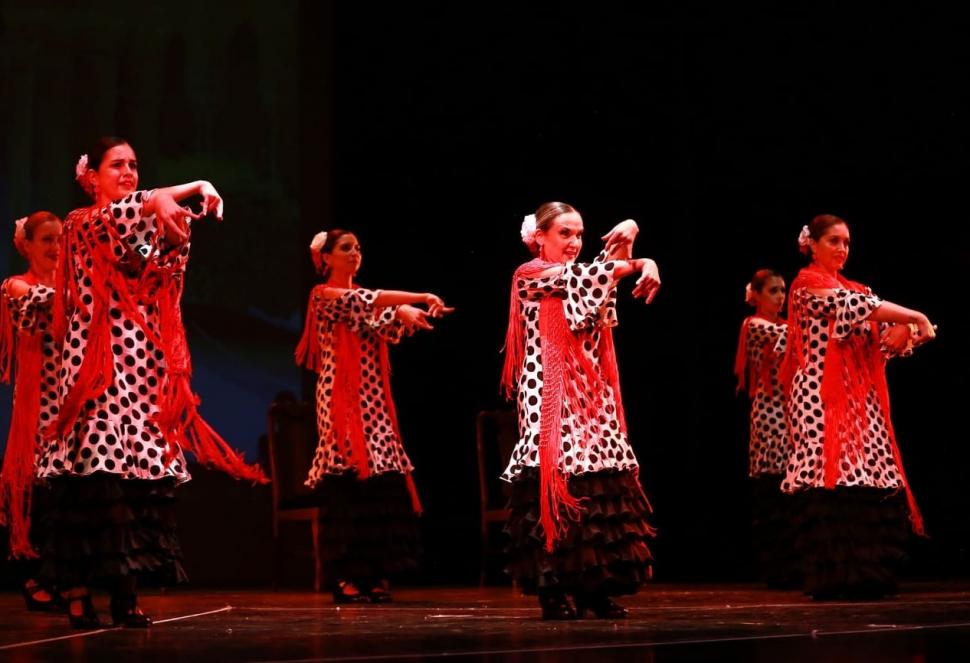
{"x":17,"y":474}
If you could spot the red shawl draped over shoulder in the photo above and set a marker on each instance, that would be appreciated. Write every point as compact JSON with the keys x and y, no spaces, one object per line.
{"x":854,"y":366}
{"x":564,"y":366}
{"x":178,"y":418}
{"x":24,"y":350}
{"x":347,"y":427}
{"x":744,"y":370}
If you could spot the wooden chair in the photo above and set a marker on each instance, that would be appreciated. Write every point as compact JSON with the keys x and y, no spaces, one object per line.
{"x":496,"y":433}
{"x":292,"y":442}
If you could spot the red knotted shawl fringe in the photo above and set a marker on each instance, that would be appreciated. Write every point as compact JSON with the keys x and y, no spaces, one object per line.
{"x":741,"y":360}
{"x":845,"y":385}
{"x":308,"y":350}
{"x":17,"y":474}
{"x":179,"y":418}
{"x":84,"y":228}
{"x":744,"y":370}
{"x":347,"y":429}
{"x":555,"y":501}
{"x":514,"y":347}
{"x":94,"y":376}
{"x":7,"y":344}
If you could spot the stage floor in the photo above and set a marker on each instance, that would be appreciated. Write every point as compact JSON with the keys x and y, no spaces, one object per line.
{"x":925,"y":622}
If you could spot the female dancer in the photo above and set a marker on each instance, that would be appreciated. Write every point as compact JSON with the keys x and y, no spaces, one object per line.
{"x":26,"y":341}
{"x":761,"y":346}
{"x":846,"y":468}
{"x":578,"y":514}
{"x":360,"y":472}
{"x":126,"y":410}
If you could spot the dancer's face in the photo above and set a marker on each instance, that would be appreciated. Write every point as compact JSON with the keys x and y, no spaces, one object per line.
{"x":117,"y":176}
{"x":771,"y":299}
{"x":562,"y":241}
{"x":345,"y":257}
{"x":45,"y":246}
{"x":832,"y":250}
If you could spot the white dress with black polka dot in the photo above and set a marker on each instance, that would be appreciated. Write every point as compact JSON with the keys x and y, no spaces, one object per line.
{"x":31,"y":314}
{"x":373,"y":325}
{"x":589,"y":294}
{"x":116,"y":433}
{"x":769,"y":447}
{"x":842,"y":313}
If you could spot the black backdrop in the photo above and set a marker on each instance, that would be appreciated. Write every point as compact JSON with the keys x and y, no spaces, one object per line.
{"x":431,"y":129}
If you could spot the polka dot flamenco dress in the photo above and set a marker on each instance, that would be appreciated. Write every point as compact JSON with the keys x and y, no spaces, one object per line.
{"x":761,"y":347}
{"x":853,"y":503}
{"x":360,"y":472}
{"x":578,"y":520}
{"x":126,"y":410}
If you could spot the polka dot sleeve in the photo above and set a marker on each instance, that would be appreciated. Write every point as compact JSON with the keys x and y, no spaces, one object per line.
{"x":781,"y":340}
{"x":124,"y":224}
{"x":353,"y":307}
{"x":761,"y":333}
{"x":852,"y":310}
{"x":385,"y":324}
{"x":26,"y":309}
{"x":536,"y":289}
{"x":134,"y":237}
{"x":590,"y":294}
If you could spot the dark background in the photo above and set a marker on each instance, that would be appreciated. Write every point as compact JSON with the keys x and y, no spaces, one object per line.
{"x":430,"y":129}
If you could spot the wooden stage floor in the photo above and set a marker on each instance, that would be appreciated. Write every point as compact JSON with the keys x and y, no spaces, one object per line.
{"x":925,"y":622}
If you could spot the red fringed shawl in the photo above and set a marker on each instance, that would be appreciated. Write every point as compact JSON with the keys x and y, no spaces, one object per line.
{"x":25,"y":349}
{"x":564,"y":368}
{"x":347,"y":423}
{"x":854,"y":366}
{"x":744,"y":370}
{"x":86,"y":233}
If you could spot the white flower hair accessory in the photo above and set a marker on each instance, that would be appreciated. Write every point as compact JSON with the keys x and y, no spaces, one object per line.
{"x":318,"y":241}
{"x":748,"y":294}
{"x":528,"y":230}
{"x":81,"y":167}
{"x":19,"y":233}
{"x":803,"y":238}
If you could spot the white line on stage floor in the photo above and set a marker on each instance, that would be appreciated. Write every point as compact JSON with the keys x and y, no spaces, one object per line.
{"x":610,"y":645}
{"x":198,"y":614}
{"x":651,"y":608}
{"x":87,"y":634}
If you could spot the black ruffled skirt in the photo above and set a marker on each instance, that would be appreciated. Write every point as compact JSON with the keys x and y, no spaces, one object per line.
{"x":850,"y":540}
{"x":773,"y":532}
{"x":605,"y":551}
{"x":103,"y":529}
{"x":368,"y":528}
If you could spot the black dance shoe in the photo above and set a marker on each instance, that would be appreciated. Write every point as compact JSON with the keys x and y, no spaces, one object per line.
{"x":80,"y":611}
{"x":379,"y":593}
{"x":52,"y":603}
{"x":125,"y":612}
{"x":555,"y":606}
{"x":341,"y":596}
{"x":601,"y":605}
